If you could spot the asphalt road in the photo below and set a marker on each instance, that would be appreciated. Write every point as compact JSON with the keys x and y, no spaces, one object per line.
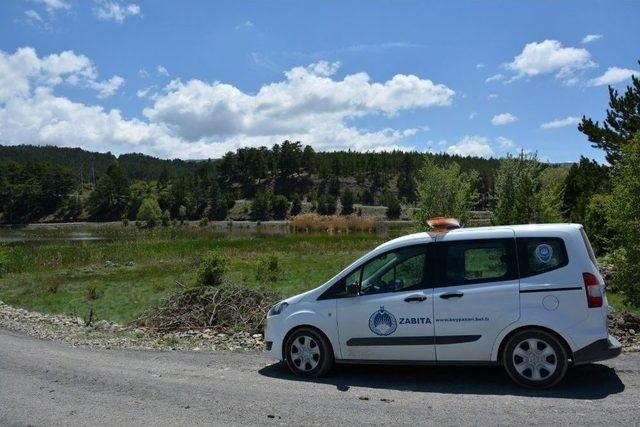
{"x":50,"y":383}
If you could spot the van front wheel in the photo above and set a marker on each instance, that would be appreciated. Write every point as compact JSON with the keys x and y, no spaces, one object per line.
{"x":308,"y":353}
{"x":535,"y":358}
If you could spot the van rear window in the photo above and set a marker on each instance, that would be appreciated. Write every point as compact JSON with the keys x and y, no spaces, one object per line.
{"x":537,"y":255}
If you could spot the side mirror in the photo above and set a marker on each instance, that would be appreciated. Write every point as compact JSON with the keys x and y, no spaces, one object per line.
{"x":353,"y":289}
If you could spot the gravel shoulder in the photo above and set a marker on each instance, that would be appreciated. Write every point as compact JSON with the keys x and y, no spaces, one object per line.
{"x":52,"y":383}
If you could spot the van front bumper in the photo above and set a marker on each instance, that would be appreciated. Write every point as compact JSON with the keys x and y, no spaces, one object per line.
{"x":606,"y":348}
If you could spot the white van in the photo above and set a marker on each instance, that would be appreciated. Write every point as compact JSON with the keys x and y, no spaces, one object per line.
{"x":528,"y":297}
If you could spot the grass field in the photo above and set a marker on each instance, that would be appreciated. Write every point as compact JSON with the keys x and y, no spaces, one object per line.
{"x":132,"y":269}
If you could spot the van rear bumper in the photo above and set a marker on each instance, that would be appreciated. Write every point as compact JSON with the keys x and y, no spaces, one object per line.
{"x":606,"y":348}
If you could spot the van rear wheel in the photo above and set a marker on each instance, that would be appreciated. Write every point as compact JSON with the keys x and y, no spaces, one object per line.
{"x":535,"y":358}
{"x":308,"y":353}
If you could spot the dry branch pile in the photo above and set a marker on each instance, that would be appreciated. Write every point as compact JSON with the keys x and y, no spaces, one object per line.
{"x":224,"y":308}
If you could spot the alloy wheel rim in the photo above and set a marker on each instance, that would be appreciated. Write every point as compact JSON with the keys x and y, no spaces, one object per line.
{"x":305,"y":353}
{"x":535,"y":359}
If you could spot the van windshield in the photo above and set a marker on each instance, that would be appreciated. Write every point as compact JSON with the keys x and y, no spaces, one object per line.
{"x":585,"y":238}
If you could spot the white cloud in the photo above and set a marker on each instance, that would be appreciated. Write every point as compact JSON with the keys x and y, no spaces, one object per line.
{"x":53,"y":5}
{"x":246,"y":25}
{"x":591,"y":38}
{"x":23,"y":69}
{"x":492,"y":96}
{"x":472,"y":115}
{"x":503,"y":119}
{"x":107,"y":88}
{"x":612,"y":76}
{"x":504,"y":142}
{"x":471,"y":146}
{"x":480,"y":65}
{"x":162,"y":71}
{"x":307,"y":99}
{"x":494,"y":78}
{"x":560,"y":123}
{"x":111,"y":10}
{"x":33,"y":15}
{"x":195,"y":119}
{"x":550,"y":57}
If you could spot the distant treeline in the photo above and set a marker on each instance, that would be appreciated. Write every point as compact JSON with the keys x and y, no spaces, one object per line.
{"x":39,"y":181}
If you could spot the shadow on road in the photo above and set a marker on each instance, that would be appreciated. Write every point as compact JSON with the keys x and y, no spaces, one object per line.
{"x":591,"y":382}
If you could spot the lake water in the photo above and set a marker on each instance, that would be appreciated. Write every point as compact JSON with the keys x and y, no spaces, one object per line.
{"x":97,"y":232}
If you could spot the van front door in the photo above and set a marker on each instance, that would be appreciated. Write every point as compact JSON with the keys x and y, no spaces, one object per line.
{"x":477,"y":295}
{"x":392,"y":318}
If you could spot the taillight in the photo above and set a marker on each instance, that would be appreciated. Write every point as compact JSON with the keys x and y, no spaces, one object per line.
{"x":593,"y":289}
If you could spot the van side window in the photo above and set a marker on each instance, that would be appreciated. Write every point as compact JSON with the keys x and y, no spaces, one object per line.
{"x":468,"y":262}
{"x":539,"y":255}
{"x":398,"y":270}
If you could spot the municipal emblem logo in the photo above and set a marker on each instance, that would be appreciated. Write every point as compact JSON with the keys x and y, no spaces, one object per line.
{"x":382,"y":322}
{"x":544,"y":253}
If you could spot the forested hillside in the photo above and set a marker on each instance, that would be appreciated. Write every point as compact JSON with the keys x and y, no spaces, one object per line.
{"x":37,"y":182}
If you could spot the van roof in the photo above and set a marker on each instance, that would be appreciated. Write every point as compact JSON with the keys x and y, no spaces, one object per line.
{"x":520,"y":229}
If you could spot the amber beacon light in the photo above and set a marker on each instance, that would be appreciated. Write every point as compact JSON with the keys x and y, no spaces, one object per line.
{"x":442,"y":223}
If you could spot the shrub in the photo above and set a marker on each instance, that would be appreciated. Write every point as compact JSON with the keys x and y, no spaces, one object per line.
{"x":625,"y":219}
{"x":212,"y":269}
{"x":279,"y":206}
{"x":182,"y":213}
{"x":326,"y":204}
{"x":296,"y":204}
{"x":260,"y":207}
{"x":149,"y":211}
{"x":393,"y":207}
{"x":596,"y":222}
{"x":445,"y":191}
{"x":4,"y":261}
{"x":346,"y":200}
{"x":268,"y":268}
{"x":165,"y":218}
{"x":204,"y":221}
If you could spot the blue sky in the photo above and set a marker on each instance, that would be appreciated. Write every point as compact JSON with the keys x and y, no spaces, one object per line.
{"x":196,"y":79}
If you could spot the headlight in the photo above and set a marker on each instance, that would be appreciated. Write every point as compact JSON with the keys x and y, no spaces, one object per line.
{"x":277,"y":309}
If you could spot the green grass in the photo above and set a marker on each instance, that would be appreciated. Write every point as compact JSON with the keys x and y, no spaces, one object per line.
{"x":619,"y":305}
{"x":133,"y":269}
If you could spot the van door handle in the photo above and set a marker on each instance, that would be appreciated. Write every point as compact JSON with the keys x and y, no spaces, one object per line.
{"x":415,"y":298}
{"x":452,"y":295}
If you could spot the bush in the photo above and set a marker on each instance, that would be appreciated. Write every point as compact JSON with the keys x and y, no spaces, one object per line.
{"x":445,"y":191}
{"x":4,"y":261}
{"x":279,"y":206}
{"x":393,"y":207}
{"x":204,"y":221}
{"x":212,"y":269}
{"x":260,"y":207}
{"x":326,"y":204}
{"x":268,"y":268}
{"x":346,"y":200}
{"x":296,"y":204}
{"x":149,"y":212}
{"x":182,"y":213}
{"x":165,"y":218}
{"x":596,"y":223}
{"x":625,"y":220}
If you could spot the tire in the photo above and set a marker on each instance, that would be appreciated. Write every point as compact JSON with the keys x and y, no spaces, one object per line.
{"x":308,"y":353}
{"x":543,"y":367}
